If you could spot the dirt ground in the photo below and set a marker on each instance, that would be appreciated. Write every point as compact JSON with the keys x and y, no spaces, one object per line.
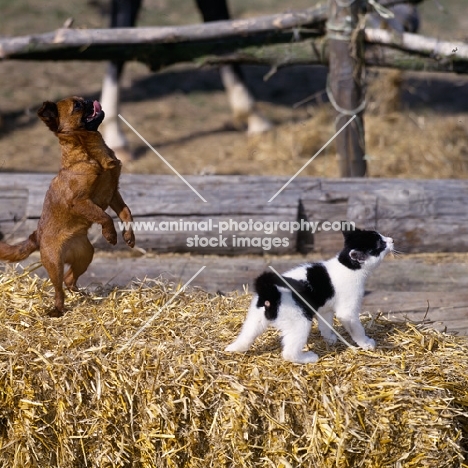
{"x":183,"y":112}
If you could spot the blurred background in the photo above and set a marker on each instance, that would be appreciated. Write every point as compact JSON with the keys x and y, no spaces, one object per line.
{"x":416,"y":123}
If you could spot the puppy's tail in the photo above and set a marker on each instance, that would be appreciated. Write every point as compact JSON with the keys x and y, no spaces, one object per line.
{"x":15,"y":253}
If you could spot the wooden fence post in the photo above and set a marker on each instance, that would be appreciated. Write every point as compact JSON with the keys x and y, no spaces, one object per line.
{"x":345,"y":86}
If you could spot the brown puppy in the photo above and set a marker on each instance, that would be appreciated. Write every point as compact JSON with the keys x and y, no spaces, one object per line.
{"x":85,"y":186}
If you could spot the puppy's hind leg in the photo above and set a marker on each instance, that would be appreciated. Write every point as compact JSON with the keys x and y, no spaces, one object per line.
{"x":53,"y":263}
{"x":255,"y":324}
{"x":79,"y":255}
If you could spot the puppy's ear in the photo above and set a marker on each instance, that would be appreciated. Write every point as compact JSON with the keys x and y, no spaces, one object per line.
{"x":48,"y":113}
{"x":357,"y":256}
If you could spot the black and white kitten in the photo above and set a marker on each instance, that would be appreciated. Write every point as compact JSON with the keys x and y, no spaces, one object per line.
{"x":336,"y":285}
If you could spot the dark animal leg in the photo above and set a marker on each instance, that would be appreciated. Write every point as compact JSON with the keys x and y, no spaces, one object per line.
{"x":123,"y":15}
{"x":240,"y":98}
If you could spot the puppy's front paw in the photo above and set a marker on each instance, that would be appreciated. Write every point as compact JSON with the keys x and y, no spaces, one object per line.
{"x":110,"y":234}
{"x":129,"y":238}
{"x":367,"y":343}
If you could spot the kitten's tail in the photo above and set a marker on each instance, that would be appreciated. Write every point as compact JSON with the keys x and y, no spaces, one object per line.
{"x":15,"y":253}
{"x":268,"y":295}
{"x":266,"y":286}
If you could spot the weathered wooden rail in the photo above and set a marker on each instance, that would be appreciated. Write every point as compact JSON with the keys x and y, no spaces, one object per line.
{"x":422,"y":215}
{"x":277,"y":40}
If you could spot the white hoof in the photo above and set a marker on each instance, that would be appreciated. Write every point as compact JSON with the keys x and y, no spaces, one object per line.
{"x":256,"y":123}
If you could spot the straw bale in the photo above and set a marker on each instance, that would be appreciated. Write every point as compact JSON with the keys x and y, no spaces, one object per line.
{"x":96,"y":389}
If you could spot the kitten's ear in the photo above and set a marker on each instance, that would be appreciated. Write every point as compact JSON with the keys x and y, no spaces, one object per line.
{"x":357,"y":256}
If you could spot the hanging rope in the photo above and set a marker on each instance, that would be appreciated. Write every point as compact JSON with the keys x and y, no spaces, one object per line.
{"x":345,"y":31}
{"x":342,"y":110}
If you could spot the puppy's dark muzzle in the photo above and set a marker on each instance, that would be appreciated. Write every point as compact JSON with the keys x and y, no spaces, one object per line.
{"x":93,"y":115}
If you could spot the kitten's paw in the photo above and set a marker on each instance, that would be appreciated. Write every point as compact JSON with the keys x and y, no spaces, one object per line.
{"x":237,"y":347}
{"x":302,"y":358}
{"x":367,"y":344}
{"x":330,"y":339}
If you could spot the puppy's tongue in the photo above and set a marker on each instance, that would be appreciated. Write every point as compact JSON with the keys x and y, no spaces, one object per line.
{"x":97,"y":108}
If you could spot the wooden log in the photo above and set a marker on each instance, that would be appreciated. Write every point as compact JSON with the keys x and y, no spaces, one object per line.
{"x":217,"y":42}
{"x":316,"y":52}
{"x":207,"y":235}
{"x":13,"y":202}
{"x":345,"y":87}
{"x":144,"y":45}
{"x":420,"y":44}
{"x":166,"y":44}
{"x":388,"y":57}
{"x":75,"y":44}
{"x":422,"y":215}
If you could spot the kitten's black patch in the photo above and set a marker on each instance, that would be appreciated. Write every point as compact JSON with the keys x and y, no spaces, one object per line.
{"x":363,"y":243}
{"x":323,"y":290}
{"x":316,"y":290}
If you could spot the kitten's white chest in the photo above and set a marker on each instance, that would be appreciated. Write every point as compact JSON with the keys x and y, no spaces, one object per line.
{"x":348,"y":284}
